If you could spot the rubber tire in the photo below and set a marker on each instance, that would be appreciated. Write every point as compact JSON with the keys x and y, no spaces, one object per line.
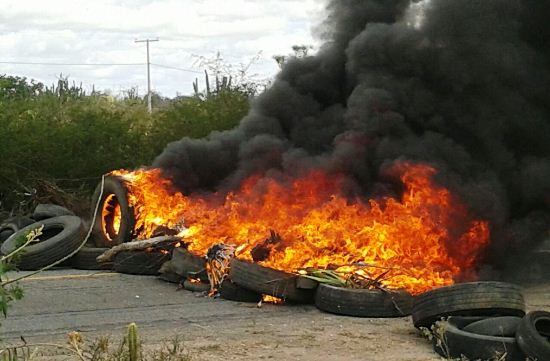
{"x":45,"y":211}
{"x":5,"y":233}
{"x":171,"y":277}
{"x":468,"y":299}
{"x":48,"y":250}
{"x":12,"y":225}
{"x":86,"y":259}
{"x":530,"y":340}
{"x":475,"y":347}
{"x":196,"y":287}
{"x":166,"y":273}
{"x":363,"y":302}
{"x":139,"y":262}
{"x":18,"y":222}
{"x":188,"y":264}
{"x":233,"y":292}
{"x":268,"y":281}
{"x":113,"y":185}
{"x":495,"y":326}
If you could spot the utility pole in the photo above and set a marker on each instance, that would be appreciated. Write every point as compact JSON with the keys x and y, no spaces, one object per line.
{"x":147,"y":41}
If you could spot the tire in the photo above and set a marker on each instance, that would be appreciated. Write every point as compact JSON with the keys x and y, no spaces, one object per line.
{"x":12,"y":225}
{"x":187,"y":264}
{"x":196,"y":287}
{"x":166,"y":273}
{"x":86,"y":259}
{"x":268,"y":281}
{"x":306,"y":283}
{"x":5,"y":233}
{"x":45,"y":211}
{"x":171,"y":277}
{"x":533,"y":335}
{"x":114,"y":193}
{"x":468,"y":299}
{"x":19,"y":222}
{"x":233,"y":292}
{"x":363,"y":302}
{"x":453,"y":343}
{"x":495,"y":326}
{"x":139,"y":262}
{"x":61,"y":236}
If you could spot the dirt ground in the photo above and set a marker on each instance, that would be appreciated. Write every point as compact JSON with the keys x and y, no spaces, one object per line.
{"x":103,"y":303}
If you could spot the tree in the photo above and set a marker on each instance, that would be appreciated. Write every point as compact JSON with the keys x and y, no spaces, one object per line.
{"x":15,"y":87}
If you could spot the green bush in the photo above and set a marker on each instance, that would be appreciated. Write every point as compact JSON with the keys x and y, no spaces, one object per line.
{"x":196,"y":117}
{"x":70,"y":138}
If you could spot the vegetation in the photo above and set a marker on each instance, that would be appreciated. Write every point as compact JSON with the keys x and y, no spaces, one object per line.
{"x":61,"y":137}
{"x":10,"y":291}
{"x":101,"y":349}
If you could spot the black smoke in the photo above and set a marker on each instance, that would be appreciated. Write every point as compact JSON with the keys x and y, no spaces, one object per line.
{"x":461,"y":84}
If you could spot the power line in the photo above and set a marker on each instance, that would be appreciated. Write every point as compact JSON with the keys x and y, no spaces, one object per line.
{"x":176,"y":68}
{"x":70,"y":64}
{"x":99,"y":64}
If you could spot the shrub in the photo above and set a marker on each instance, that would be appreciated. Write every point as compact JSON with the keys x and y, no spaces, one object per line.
{"x":70,"y":138}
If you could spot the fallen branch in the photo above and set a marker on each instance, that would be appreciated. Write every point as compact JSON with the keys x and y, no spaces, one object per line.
{"x":109,"y":254}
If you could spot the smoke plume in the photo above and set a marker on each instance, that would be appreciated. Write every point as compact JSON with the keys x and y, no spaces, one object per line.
{"x":463,"y":85}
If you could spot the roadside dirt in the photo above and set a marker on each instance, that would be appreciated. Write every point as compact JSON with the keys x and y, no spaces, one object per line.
{"x":212,"y":329}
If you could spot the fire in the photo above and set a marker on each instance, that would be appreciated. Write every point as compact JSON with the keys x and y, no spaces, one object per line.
{"x":272,"y":299}
{"x":155,"y":204}
{"x":421,"y":240}
{"x":112,"y":216}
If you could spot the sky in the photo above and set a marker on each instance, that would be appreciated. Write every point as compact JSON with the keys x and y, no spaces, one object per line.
{"x":104,"y":31}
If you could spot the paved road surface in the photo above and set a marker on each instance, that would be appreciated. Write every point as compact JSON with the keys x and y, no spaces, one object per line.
{"x":104,"y":303}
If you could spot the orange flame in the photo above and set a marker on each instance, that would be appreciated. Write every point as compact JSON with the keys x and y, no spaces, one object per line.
{"x":111,"y":211}
{"x":423,"y":240}
{"x":272,"y":299}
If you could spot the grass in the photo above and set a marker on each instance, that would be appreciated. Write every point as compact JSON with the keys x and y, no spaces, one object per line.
{"x":103,"y":348}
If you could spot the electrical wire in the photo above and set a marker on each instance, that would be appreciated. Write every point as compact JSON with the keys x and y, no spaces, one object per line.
{"x":71,"y":64}
{"x":176,"y":68}
{"x":100,"y":64}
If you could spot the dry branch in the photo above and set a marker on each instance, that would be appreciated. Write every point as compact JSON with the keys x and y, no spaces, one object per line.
{"x":108,"y":255}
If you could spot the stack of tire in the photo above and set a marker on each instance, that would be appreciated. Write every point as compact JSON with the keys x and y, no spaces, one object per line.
{"x":483,"y":321}
{"x":249,"y":282}
{"x":250,"y":277}
{"x":62,"y":234}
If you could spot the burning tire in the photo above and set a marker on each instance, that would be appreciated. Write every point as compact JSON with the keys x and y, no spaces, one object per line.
{"x":468,"y":299}
{"x":268,"y":281}
{"x":196,"y":286}
{"x":114,"y":223}
{"x":86,"y":259}
{"x":60,"y":236}
{"x":363,"y":302}
{"x":187,"y":264}
{"x":139,"y":262}
{"x":533,"y":335}
{"x":233,"y":292}
{"x":168,"y":274}
{"x":452,"y":341}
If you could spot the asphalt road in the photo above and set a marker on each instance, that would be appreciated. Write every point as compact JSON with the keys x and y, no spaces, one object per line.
{"x":103,"y":303}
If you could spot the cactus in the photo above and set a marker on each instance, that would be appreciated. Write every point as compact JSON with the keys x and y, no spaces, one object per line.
{"x":133,"y":345}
